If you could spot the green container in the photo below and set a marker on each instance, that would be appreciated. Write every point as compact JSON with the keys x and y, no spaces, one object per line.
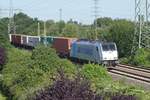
{"x":48,"y":40}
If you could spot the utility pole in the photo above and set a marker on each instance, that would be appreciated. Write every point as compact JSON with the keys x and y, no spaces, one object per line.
{"x":11,"y":26}
{"x":0,"y":13}
{"x":38,"y":29}
{"x":60,"y":14}
{"x":96,"y":11}
{"x":45,"y":31}
{"x":142,"y":28}
{"x":60,"y":21}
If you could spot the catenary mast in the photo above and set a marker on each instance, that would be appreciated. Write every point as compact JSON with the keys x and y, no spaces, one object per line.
{"x":142,"y":25}
{"x":11,"y":25}
{"x":96,"y":14}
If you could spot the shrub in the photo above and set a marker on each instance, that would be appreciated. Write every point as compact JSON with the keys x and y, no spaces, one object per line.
{"x":2,"y":56}
{"x":2,"y":97}
{"x":142,"y":58}
{"x":125,"y":60}
{"x":4,"y":41}
{"x":102,"y":84}
{"x":76,"y":89}
{"x":47,"y":60}
{"x":123,"y":97}
{"x":96,"y":74}
{"x":26,"y":73}
{"x":13,"y":71}
{"x":66,"y":89}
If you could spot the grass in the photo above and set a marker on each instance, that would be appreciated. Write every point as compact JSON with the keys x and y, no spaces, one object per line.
{"x":2,"y":97}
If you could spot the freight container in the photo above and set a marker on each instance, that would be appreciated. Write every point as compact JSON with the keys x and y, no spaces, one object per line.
{"x":47,"y":40}
{"x":24,"y":40}
{"x":63,"y":45}
{"x":33,"y":41}
{"x":16,"y":39}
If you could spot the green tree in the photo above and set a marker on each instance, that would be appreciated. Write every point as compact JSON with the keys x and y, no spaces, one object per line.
{"x":122,"y":32}
{"x":4,"y":38}
{"x":104,"y":22}
{"x":71,"y":30}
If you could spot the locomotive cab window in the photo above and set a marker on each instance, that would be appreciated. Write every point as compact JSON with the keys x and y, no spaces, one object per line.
{"x":108,"y":47}
{"x":105,"y":47}
{"x":112,"y":47}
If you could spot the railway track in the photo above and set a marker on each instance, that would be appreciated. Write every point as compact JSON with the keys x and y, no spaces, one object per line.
{"x":135,"y":68}
{"x":132,"y":72}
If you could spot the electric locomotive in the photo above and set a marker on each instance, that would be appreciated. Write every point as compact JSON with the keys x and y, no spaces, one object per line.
{"x":95,"y":51}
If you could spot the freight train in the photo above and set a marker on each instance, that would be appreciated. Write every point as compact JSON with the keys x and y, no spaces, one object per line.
{"x":76,"y":49}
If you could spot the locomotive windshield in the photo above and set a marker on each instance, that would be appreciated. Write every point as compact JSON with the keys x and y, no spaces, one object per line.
{"x":108,"y":47}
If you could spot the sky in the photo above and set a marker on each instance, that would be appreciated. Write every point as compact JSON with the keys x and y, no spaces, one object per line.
{"x":79,"y":10}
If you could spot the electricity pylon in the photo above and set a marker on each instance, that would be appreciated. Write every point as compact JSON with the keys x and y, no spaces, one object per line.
{"x":96,"y":15}
{"x":142,"y":25}
{"x":11,"y":24}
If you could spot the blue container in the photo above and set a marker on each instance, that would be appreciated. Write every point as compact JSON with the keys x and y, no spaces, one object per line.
{"x":46,"y":40}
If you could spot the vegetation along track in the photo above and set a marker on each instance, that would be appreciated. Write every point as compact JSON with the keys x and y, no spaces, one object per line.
{"x":132,"y":72}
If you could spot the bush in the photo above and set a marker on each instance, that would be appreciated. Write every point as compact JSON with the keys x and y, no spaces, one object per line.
{"x":66,"y":89}
{"x":76,"y":89}
{"x":4,"y":41}
{"x":123,"y":97}
{"x":26,"y":73}
{"x":2,"y":97}
{"x":47,"y":60}
{"x":142,"y":58}
{"x":2,"y":56}
{"x":102,"y":84}
{"x":125,"y":60}
{"x":13,"y":72}
{"x":96,"y":74}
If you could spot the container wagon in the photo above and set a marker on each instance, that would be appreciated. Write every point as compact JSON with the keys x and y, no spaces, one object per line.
{"x":15,"y":39}
{"x":32,"y":41}
{"x":47,"y":40}
{"x":62,"y":46}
